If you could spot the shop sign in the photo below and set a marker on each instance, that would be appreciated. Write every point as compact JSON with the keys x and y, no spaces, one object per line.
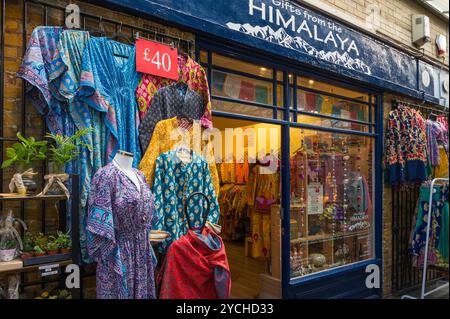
{"x":289,"y":30}
{"x":156,"y":59}
{"x":315,"y":199}
{"x":49,"y":270}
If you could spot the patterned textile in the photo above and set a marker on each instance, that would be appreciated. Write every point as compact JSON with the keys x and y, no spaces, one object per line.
{"x":196,"y":267}
{"x":36,"y":69}
{"x":439,"y":211}
{"x":163,"y":141}
{"x":67,"y":65}
{"x":436,"y":135}
{"x":191,"y":73}
{"x":406,"y":146}
{"x":266,"y":188}
{"x":173,"y":100}
{"x":42,"y":89}
{"x":119,"y":222}
{"x":174,"y":182}
{"x":107,"y":84}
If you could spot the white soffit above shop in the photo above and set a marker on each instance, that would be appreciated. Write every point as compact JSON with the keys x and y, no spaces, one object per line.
{"x":439,"y":6}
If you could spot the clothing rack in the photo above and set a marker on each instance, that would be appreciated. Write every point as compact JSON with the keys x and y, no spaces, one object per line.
{"x":423,"y":292}
{"x":440,"y":109}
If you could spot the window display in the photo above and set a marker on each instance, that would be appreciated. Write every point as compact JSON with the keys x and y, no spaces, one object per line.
{"x":331,"y":200}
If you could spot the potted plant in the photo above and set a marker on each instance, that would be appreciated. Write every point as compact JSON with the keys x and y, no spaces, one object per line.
{"x":28,"y":245}
{"x":52,"y":246}
{"x":63,"y":150}
{"x":24,"y":155}
{"x":8,"y":250}
{"x":64,"y":242}
{"x":38,"y":251}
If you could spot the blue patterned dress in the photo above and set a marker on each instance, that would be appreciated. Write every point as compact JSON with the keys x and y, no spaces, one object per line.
{"x":119,"y":221}
{"x":42,"y":89}
{"x":44,"y":93}
{"x":174,"y":182}
{"x":108,"y":81}
{"x":67,"y":65}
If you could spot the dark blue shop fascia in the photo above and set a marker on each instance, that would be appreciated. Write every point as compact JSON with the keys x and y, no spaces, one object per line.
{"x":290,"y":31}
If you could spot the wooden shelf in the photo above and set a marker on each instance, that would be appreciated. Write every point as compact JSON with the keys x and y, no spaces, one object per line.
{"x":16,"y":265}
{"x":326,"y":237}
{"x":4,"y":197}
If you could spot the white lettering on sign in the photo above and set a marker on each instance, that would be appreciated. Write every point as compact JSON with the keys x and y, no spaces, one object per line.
{"x":307,"y":32}
{"x":158,"y":60}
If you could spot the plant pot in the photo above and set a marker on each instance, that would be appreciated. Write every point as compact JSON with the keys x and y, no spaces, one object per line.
{"x":56,"y":168}
{"x":28,"y":181}
{"x":39,"y":254}
{"x":65,"y":250}
{"x":26,"y":255}
{"x":7,"y":254}
{"x":52,"y":252}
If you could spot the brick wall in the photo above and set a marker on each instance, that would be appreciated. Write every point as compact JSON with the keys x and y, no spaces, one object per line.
{"x":394,"y":23}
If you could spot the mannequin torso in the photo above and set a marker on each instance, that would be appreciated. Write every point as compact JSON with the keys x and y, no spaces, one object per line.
{"x":124,"y":162}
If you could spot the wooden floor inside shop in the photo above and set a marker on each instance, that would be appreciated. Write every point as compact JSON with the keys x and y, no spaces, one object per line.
{"x":244,"y":271}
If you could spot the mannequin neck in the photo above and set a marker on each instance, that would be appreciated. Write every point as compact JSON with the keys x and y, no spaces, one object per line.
{"x":124,"y":161}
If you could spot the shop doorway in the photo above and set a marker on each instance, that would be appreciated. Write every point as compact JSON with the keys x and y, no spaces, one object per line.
{"x":248,"y":164}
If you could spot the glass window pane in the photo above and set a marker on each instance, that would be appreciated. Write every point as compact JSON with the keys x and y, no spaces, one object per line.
{"x":331,"y":106}
{"x":242,"y":88}
{"x":331,"y":200}
{"x":238,"y":108}
{"x":203,"y":57}
{"x":305,"y":119}
{"x":226,"y":62}
{"x":327,"y":88}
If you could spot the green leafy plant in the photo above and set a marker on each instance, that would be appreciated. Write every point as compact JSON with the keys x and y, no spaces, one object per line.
{"x":38,"y":250}
{"x":40,"y":240}
{"x":28,"y":242}
{"x":8,"y":244}
{"x":26,"y":152}
{"x":66,"y":148}
{"x":52,"y":245}
{"x":64,"y":240}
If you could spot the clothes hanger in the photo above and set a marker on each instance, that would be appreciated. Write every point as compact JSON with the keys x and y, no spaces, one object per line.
{"x":118,"y":35}
{"x":100,"y":31}
{"x":432,"y":117}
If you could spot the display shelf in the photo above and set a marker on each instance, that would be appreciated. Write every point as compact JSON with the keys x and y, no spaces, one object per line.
{"x":17,"y":265}
{"x":46,"y":259}
{"x":324,"y":237}
{"x":17,"y":197}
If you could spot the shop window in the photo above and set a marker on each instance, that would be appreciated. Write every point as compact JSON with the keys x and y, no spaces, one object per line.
{"x":203,"y":57}
{"x":331,"y":206}
{"x":243,"y":109}
{"x":331,"y":123}
{"x":241,"y":66}
{"x":313,"y":84}
{"x":241,"y":88}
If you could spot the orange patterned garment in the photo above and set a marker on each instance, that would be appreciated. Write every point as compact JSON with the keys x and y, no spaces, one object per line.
{"x":163,"y":141}
{"x":191,"y":73}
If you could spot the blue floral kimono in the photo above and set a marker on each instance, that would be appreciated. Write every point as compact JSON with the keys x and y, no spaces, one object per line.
{"x":67,"y":65}
{"x":174,"y":182}
{"x":44,"y":93}
{"x":42,"y":89}
{"x":108,"y":81}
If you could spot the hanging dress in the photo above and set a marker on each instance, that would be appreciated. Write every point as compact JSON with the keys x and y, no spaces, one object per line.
{"x":163,"y":141}
{"x":174,"y":182}
{"x":174,"y":100}
{"x":67,"y":67}
{"x":191,"y":73}
{"x":119,"y":221}
{"x":196,"y":267}
{"x":43,"y":93}
{"x":108,"y":81}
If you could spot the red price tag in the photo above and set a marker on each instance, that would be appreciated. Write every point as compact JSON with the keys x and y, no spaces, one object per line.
{"x":157,"y":59}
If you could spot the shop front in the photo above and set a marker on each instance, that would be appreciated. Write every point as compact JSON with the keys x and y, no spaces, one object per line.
{"x":320,"y":85}
{"x":297,"y":104}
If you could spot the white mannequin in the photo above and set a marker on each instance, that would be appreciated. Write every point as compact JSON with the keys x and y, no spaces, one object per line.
{"x":124,"y":161}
